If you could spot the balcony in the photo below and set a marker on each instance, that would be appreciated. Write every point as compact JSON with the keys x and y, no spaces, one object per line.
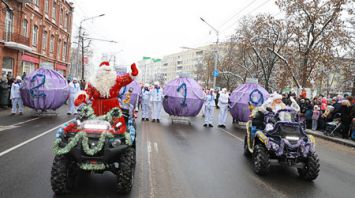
{"x":16,"y":41}
{"x":17,"y":38}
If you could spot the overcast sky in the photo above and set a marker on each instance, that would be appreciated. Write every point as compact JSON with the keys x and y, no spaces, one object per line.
{"x":160,"y":27}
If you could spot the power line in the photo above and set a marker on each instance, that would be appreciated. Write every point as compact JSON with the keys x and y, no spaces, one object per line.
{"x":253,"y":10}
{"x":237,"y":13}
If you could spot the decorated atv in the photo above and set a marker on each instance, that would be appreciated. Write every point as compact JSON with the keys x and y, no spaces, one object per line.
{"x":281,"y":138}
{"x":95,"y":145}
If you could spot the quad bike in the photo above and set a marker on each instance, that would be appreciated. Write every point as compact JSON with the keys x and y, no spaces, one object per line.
{"x":280,"y":137}
{"x":94,"y":145}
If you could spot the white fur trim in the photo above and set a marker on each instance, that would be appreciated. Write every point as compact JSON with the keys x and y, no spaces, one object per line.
{"x":133,"y":77}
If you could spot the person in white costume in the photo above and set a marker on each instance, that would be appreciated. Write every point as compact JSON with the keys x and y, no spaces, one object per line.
{"x":145,"y":95}
{"x":17,"y":103}
{"x":74,"y":89}
{"x":223,"y":108}
{"x":209,"y":108}
{"x":157,"y":100}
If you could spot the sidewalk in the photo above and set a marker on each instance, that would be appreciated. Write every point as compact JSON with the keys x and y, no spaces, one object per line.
{"x":319,"y":134}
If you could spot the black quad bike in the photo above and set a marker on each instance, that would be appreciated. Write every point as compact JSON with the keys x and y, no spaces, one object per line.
{"x":280,"y":137}
{"x":95,"y":145}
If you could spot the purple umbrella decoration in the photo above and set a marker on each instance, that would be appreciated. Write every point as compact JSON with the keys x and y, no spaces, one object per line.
{"x":44,"y":89}
{"x":183,"y":97}
{"x":136,"y":90}
{"x":134,"y":87}
{"x":243,"y":95}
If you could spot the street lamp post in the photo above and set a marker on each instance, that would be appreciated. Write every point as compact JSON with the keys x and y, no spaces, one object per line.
{"x":216,"y":51}
{"x":81,"y":41}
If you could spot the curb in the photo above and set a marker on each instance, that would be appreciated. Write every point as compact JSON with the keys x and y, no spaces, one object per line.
{"x":332,"y":139}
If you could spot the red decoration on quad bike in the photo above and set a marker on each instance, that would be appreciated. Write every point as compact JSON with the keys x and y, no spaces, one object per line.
{"x":71,"y":128}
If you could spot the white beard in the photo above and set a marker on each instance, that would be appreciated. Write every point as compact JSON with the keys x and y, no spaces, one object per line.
{"x":103,"y":81}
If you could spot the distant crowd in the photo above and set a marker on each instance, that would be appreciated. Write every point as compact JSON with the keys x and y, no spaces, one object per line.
{"x":316,"y":113}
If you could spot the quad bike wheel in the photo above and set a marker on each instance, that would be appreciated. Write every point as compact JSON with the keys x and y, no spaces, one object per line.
{"x":246,"y":150}
{"x":62,"y":176}
{"x":261,"y":160}
{"x":311,"y":169}
{"x":126,"y":171}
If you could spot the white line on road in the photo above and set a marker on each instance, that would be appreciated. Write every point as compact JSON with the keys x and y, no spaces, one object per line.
{"x":236,"y":137}
{"x":3,"y":128}
{"x":150,"y":170}
{"x":30,"y":140}
{"x":156,"y":147}
{"x":149,"y":146}
{"x":26,"y":121}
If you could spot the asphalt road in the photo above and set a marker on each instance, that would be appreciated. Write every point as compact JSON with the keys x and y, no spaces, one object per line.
{"x":173,"y":160}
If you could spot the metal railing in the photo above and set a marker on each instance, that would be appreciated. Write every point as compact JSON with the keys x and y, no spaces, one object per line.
{"x":15,"y":37}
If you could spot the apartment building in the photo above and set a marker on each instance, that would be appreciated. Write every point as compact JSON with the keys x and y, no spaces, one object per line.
{"x":172,"y":66}
{"x":33,"y":34}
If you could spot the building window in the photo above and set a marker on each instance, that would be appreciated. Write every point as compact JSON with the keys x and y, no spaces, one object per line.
{"x":66,"y":21}
{"x":54,"y":10}
{"x":179,"y":62}
{"x":8,"y":25}
{"x":64,"y":53}
{"x":35,"y":35}
{"x":44,"y":40}
{"x":61,"y":17}
{"x":24,"y":28}
{"x":46,"y":6}
{"x":59,"y":47}
{"x":51,"y":44}
{"x":36,"y":2}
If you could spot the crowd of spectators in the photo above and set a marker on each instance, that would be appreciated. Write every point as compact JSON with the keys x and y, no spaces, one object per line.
{"x":316,"y":112}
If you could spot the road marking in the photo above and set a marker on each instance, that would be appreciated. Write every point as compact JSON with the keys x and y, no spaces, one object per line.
{"x":150,"y":170}
{"x":236,"y":137}
{"x":30,"y":140}
{"x":3,"y":128}
{"x":149,"y":147}
{"x":27,"y":121}
{"x":156,"y":147}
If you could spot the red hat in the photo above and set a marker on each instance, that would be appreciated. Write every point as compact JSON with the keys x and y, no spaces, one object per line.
{"x":105,"y":63}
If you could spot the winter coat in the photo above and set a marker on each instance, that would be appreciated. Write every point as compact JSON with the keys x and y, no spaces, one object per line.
{"x":345,"y":114}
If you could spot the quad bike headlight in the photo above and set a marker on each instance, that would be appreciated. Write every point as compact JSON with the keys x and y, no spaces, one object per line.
{"x":96,"y":126}
{"x":294,"y":138}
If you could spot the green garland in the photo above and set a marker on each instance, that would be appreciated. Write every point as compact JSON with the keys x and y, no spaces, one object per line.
{"x":95,"y":149}
{"x":86,"y":111}
{"x":85,"y":144}
{"x":109,"y":116}
{"x":92,"y":167}
{"x":72,"y":143}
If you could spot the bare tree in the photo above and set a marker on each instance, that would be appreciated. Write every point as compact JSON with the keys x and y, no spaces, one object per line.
{"x":318,"y":31}
{"x":265,"y":33}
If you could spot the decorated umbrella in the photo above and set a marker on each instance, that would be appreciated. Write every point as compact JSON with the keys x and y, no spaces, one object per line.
{"x":242,"y":96}
{"x":44,"y":89}
{"x":183,"y":97}
{"x":130,"y":92}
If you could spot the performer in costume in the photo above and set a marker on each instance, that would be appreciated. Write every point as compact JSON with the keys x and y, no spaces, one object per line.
{"x":223,"y":108}
{"x":145,"y":95}
{"x":157,"y":99}
{"x":16,"y":96}
{"x":209,"y":108}
{"x":104,"y":88}
{"x":74,"y":89}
